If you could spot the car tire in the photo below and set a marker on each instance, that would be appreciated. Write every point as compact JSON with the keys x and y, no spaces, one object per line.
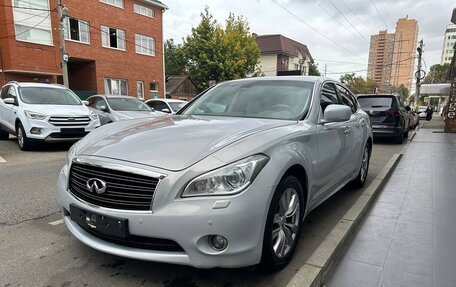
{"x":399,"y":138}
{"x":406,"y":133}
{"x":282,"y":228}
{"x":360,"y":179}
{"x":22,"y":140}
{"x":4,"y":135}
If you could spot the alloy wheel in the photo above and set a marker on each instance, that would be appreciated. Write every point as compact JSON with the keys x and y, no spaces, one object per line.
{"x":20,"y":136}
{"x":286,"y":223}
{"x":364,"y":164}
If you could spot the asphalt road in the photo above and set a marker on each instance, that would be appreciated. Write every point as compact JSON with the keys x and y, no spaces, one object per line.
{"x":37,"y":250}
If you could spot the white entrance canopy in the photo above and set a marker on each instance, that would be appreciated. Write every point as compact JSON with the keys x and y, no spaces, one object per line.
{"x":436,"y":89}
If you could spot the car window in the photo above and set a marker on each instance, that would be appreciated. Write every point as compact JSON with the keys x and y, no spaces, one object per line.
{"x":328,"y":96}
{"x":92,"y":101}
{"x":344,"y":95}
{"x":127,"y":104}
{"x":177,"y":105}
{"x":376,"y":101}
{"x":152,"y":104}
{"x":100,"y":103}
{"x":5,"y":94}
{"x":159,"y":106}
{"x":48,"y":96}
{"x":273,"y":99}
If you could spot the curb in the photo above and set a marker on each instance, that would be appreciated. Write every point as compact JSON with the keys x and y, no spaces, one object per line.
{"x":318,"y":267}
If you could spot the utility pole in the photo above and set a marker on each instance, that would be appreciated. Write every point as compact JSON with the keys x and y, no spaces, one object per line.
{"x":63,"y":12}
{"x":418,"y":73}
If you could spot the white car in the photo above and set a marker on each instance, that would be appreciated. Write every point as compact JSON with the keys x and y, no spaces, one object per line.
{"x":169,"y":106}
{"x":43,"y":112}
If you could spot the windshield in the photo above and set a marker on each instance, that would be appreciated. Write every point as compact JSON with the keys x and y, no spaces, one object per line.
{"x":177,"y":105}
{"x":128,"y":104}
{"x":272,"y":99}
{"x":48,"y":96}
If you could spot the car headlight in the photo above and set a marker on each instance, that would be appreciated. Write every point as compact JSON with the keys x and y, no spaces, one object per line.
{"x":93,"y":116}
{"x":34,"y":115}
{"x":227,"y":180}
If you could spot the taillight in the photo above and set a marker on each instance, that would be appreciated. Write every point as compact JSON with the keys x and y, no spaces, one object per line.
{"x":392,"y":112}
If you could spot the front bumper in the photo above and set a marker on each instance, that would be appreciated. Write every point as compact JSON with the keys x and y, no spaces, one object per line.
{"x":188,"y":222}
{"x":50,"y":133}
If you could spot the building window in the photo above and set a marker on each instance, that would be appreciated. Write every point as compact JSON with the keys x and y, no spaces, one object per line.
{"x":116,"y":87}
{"x":112,"y":38}
{"x":140,"y":89}
{"x":117,"y":3}
{"x":154,"y":87}
{"x":77,"y":30}
{"x":145,"y":45}
{"x":146,"y":11}
{"x":32,"y":25}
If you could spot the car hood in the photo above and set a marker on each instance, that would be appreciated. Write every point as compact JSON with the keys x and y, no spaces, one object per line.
{"x":58,"y":110}
{"x":173,"y":142}
{"x":137,"y":114}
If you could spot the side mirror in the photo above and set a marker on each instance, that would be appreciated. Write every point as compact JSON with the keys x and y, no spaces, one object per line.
{"x":104,"y":109}
{"x":165,"y":110}
{"x":86,"y":103}
{"x":9,"y":101}
{"x":336,"y":113}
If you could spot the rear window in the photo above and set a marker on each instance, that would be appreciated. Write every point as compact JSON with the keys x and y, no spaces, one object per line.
{"x":376,"y":102}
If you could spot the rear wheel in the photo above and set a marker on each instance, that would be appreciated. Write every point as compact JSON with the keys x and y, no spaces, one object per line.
{"x":3,"y":135}
{"x":283,"y":224}
{"x":400,"y":138}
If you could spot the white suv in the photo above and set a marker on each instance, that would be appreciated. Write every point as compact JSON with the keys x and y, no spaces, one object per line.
{"x":43,"y":112}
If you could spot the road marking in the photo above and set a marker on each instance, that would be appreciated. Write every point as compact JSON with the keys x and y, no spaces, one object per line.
{"x":2,"y":160}
{"x":57,"y":222}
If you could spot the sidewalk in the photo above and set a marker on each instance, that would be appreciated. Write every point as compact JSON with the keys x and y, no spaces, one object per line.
{"x":408,"y":238}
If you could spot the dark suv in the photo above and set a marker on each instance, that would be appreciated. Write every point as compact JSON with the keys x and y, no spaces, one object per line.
{"x":388,"y":116}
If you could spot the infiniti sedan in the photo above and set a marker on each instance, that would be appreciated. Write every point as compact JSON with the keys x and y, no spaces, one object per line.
{"x":226,"y":182}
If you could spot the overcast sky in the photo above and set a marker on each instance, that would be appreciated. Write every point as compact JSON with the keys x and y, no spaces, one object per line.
{"x":330,"y":38}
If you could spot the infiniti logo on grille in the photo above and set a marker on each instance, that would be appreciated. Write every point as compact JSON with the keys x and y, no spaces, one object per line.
{"x":96,"y":185}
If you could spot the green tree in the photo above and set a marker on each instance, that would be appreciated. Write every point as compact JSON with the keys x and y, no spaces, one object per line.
{"x":359,"y":85}
{"x":174,"y":59}
{"x":403,"y":93}
{"x":437,"y":74}
{"x":313,"y":70}
{"x":214,"y":52}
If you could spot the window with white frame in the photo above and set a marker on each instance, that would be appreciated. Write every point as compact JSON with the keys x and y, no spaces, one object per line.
{"x":154,"y":87}
{"x":140,"y":89}
{"x":116,"y":87}
{"x":32,"y":24}
{"x":76,"y":30}
{"x":117,"y":3}
{"x":112,"y":38}
{"x":143,"y":10}
{"x":145,"y":45}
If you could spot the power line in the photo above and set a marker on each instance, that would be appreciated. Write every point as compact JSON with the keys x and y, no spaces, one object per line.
{"x":25,"y":31}
{"x":27,"y":8}
{"x":364,"y":70}
{"x":314,"y":29}
{"x":22,"y":20}
{"x":356,"y":15}
{"x":332,"y":17}
{"x":349,"y":22}
{"x":387,"y":12}
{"x":381,"y":16}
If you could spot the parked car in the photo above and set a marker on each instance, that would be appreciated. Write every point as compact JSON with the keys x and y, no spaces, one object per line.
{"x":388,"y":116}
{"x":422,"y":112}
{"x":170,"y":106}
{"x":415,"y":118}
{"x":118,"y":108}
{"x":36,"y":113}
{"x":211,"y":187}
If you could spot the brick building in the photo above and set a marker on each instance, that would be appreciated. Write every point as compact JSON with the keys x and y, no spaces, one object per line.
{"x":114,"y":46}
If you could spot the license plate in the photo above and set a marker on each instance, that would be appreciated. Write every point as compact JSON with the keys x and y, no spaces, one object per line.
{"x":112,"y":226}
{"x":72,"y":131}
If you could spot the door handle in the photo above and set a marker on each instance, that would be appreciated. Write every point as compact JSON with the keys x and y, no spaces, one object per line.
{"x":347,"y":130}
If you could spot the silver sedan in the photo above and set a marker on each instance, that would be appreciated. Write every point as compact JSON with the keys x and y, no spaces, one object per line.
{"x":226,"y":182}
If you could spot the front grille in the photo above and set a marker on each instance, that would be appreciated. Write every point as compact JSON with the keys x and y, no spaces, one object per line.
{"x":124,"y":190}
{"x":140,"y":242}
{"x":69,"y":121}
{"x":67,"y":136}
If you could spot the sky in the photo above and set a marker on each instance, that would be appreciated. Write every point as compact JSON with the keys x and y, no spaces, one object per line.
{"x":337,"y":32}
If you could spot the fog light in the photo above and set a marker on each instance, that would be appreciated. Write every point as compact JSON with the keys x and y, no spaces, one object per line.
{"x":218,"y":242}
{"x":36,"y":131}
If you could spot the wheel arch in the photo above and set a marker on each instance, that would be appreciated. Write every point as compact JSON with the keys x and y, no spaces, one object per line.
{"x":300,"y":173}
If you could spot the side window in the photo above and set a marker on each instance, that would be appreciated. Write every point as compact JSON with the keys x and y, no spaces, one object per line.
{"x":4,"y":92}
{"x":92,"y":102}
{"x":100,"y":103}
{"x":345,"y":98}
{"x":160,"y":106}
{"x":152,"y":104}
{"x":328,"y":96}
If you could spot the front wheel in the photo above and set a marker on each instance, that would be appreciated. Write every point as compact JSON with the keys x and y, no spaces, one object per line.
{"x":22,"y":140}
{"x":283,"y":224}
{"x":360,"y":180}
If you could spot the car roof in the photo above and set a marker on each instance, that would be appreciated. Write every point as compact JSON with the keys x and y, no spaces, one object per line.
{"x":36,"y":85}
{"x":290,"y":78}
{"x":376,"y":95}
{"x":167,"y":100}
{"x":114,"y":97}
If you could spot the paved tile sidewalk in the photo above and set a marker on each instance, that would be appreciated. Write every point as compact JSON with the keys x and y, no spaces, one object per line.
{"x":408,"y":238}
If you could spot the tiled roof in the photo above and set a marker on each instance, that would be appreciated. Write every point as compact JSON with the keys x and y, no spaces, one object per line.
{"x":278,"y":44}
{"x":156,"y":3}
